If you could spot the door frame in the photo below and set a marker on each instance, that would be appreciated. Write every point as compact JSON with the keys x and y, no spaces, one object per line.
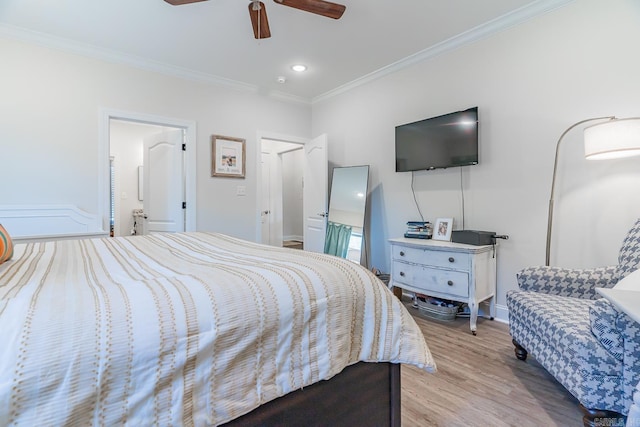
{"x":277,"y":137}
{"x":106,"y":114}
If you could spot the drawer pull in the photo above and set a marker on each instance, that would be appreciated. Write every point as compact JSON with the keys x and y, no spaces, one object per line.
{"x":401,"y":253}
{"x":402,"y":274}
{"x":451,"y":259}
{"x":450,"y":283}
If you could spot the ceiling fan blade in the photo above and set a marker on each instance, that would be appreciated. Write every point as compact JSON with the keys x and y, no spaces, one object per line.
{"x":179,"y":2}
{"x":319,"y":7}
{"x":259,"y":21}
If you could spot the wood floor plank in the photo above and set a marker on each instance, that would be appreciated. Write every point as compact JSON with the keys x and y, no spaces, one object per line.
{"x":480,"y":382}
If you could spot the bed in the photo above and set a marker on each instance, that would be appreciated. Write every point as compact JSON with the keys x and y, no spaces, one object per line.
{"x":198,"y":329}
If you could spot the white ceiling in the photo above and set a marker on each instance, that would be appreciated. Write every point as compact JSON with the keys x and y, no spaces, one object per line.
{"x":213,"y":40}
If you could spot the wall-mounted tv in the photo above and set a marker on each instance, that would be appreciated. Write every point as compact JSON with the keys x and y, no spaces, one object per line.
{"x":438,"y":142}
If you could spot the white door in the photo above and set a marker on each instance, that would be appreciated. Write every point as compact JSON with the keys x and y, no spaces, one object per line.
{"x":315,"y":194}
{"x":163,"y":182}
{"x":265,"y":208}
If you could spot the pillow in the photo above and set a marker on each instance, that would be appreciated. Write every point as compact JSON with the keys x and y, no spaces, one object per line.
{"x":629,"y":283}
{"x":6,"y":245}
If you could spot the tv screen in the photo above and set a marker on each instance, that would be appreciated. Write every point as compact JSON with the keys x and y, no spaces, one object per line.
{"x":438,"y":142}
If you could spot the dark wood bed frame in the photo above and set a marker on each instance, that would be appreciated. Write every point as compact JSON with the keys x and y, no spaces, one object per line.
{"x":364,"y":394}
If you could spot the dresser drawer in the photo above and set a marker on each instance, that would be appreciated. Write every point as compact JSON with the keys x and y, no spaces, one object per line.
{"x":446,"y":259}
{"x":431,"y":279}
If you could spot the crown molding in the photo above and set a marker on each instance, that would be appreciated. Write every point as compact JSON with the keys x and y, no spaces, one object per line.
{"x":91,"y":51}
{"x":287,"y":97}
{"x":480,"y":32}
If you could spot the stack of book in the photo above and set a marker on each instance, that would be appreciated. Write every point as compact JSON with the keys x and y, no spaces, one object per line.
{"x":419,"y":230}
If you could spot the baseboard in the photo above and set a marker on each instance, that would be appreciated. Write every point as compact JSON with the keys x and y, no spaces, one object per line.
{"x":502,"y":313}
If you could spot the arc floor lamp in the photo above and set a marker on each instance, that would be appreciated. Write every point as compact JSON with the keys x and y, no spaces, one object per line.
{"x":612,"y":138}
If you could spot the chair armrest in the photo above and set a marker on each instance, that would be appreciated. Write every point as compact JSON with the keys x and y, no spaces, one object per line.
{"x":620,"y":335}
{"x":568,"y":282}
{"x":630,"y":331}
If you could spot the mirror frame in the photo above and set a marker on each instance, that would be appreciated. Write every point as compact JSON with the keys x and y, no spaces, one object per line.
{"x":329,"y":247}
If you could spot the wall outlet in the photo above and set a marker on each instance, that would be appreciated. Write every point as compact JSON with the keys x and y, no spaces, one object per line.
{"x":241,"y":190}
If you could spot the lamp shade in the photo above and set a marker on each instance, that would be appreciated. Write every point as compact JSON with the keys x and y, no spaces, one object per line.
{"x":612,"y":139}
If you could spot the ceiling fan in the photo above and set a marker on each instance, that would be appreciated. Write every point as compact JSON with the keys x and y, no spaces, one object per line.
{"x":258,"y":12}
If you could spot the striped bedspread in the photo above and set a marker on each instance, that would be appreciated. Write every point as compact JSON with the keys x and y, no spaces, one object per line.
{"x":183,"y":329}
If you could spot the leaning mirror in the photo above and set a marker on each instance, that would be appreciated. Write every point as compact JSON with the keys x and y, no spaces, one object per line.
{"x":347,"y":202}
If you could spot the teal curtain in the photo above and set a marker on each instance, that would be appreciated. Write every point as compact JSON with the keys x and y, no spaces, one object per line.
{"x":337,"y":241}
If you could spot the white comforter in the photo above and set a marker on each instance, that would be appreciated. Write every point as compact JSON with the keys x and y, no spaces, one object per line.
{"x":183,"y":329}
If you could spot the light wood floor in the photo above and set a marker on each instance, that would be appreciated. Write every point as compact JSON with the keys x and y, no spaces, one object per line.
{"x":294,"y":244}
{"x":480,"y":382}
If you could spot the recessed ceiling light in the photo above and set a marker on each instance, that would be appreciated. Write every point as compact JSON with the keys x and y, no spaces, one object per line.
{"x":281,"y":79}
{"x":299,"y":68}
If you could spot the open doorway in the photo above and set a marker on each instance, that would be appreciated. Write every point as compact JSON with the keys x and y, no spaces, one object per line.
{"x":126,"y":152}
{"x":130,"y":179}
{"x":282,"y":217}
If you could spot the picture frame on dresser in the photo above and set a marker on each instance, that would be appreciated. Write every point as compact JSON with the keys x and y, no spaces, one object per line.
{"x":442,"y":229}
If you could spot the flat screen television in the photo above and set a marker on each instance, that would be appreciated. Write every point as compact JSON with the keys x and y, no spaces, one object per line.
{"x":438,"y":142}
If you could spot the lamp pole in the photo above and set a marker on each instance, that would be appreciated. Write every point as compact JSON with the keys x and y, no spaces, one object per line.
{"x":553,"y":180}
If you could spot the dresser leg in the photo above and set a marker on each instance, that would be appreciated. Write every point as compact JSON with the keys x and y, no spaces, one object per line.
{"x":473,"y":316}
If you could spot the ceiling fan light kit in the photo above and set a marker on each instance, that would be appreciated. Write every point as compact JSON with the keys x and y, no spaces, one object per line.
{"x":258,"y":12}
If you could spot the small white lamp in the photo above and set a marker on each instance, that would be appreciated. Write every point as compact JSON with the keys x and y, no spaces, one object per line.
{"x":612,"y":139}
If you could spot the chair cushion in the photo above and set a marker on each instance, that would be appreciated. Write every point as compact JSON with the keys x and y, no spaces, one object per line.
{"x":603,"y":318}
{"x":564,"y":323}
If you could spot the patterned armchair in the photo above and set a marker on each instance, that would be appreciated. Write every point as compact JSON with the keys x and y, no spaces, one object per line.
{"x":589,"y":346}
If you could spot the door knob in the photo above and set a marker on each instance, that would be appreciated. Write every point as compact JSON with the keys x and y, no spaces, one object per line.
{"x":323,"y":214}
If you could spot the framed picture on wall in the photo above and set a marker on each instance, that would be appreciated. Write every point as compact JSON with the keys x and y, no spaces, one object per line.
{"x":228,"y":156}
{"x":442,"y":229}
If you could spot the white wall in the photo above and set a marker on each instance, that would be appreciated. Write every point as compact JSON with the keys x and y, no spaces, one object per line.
{"x":50,"y":103}
{"x":292,"y":197}
{"x":530,"y":83}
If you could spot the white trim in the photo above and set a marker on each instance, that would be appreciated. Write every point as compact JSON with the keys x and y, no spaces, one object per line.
{"x":65,"y":236}
{"x":480,"y":32}
{"x":502,"y":314}
{"x":287,"y":97}
{"x":47,"y":222}
{"x":106,"y":115}
{"x":260,"y":135}
{"x":112,"y":56}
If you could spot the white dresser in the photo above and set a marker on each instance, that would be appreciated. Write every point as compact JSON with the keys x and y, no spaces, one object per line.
{"x":453,"y":271}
